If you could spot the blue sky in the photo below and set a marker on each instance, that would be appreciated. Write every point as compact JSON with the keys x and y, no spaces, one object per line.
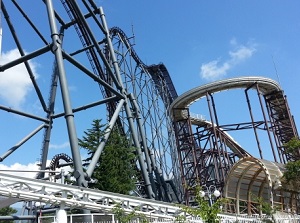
{"x":198,"y":41}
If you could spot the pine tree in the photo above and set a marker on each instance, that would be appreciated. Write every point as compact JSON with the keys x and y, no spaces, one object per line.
{"x":115,"y":171}
{"x":92,"y":138}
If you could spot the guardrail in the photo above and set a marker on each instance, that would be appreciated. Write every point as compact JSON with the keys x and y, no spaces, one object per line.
{"x":223,"y":218}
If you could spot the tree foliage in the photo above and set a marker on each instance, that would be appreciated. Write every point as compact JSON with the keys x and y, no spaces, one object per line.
{"x":208,"y":213}
{"x":123,"y":217}
{"x":291,"y":175}
{"x":293,"y":146}
{"x":264,"y":207}
{"x":115,"y":170}
{"x":6,"y":211}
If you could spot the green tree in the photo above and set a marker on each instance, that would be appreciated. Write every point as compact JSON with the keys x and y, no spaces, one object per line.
{"x":115,"y":171}
{"x":6,"y":211}
{"x":264,"y":207}
{"x":293,"y":146}
{"x":291,"y":176}
{"x":123,"y":217}
{"x":208,"y":213}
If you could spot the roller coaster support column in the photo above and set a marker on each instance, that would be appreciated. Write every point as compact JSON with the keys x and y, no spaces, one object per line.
{"x":96,"y":156}
{"x":69,"y":116}
{"x":252,"y":121}
{"x":215,"y":145}
{"x":150,"y":156}
{"x":150,"y":165}
{"x":218,"y":143}
{"x":50,"y":113}
{"x":266,"y":121}
{"x":115,"y":64}
{"x":61,"y":215}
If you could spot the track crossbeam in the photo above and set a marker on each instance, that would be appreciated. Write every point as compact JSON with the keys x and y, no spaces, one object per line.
{"x":27,"y":189}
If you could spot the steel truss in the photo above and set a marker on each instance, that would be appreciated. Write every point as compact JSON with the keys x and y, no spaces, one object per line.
{"x":54,"y":194}
{"x":134,"y":96}
{"x":154,"y":92}
{"x":207,"y":152}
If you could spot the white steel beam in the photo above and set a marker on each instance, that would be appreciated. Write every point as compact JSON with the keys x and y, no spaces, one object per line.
{"x":27,"y":189}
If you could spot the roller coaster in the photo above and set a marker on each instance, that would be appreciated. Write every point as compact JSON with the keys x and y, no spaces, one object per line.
{"x":176,"y":151}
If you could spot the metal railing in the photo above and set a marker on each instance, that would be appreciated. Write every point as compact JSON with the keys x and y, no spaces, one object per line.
{"x":223,"y":218}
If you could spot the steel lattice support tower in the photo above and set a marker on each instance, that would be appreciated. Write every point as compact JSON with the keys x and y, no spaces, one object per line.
{"x":153,"y":90}
{"x":175,"y":152}
{"x":206,"y":150}
{"x":80,"y":46}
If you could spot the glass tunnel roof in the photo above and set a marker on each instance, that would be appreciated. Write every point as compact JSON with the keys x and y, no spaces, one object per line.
{"x":250,"y":178}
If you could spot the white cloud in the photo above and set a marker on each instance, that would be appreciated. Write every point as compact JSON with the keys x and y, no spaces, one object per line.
{"x":59,"y":146}
{"x":215,"y":69}
{"x":20,"y":169}
{"x":15,"y":82}
{"x":241,"y":53}
{"x":29,"y":170}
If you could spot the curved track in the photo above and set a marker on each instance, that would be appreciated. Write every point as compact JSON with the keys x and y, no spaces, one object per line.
{"x":135,"y":97}
{"x":266,"y":86}
{"x":159,"y":87}
{"x":159,"y":72}
{"x":203,"y":160}
{"x":154,"y":92}
{"x":275,"y":99}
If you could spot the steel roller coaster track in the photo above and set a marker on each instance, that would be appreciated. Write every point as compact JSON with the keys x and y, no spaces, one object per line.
{"x":134,"y":97}
{"x":209,"y":152}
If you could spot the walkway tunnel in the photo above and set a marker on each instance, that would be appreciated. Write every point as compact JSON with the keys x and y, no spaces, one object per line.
{"x":253,"y":185}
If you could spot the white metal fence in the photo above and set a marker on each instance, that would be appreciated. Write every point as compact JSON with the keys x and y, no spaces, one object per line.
{"x":223,"y":218}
